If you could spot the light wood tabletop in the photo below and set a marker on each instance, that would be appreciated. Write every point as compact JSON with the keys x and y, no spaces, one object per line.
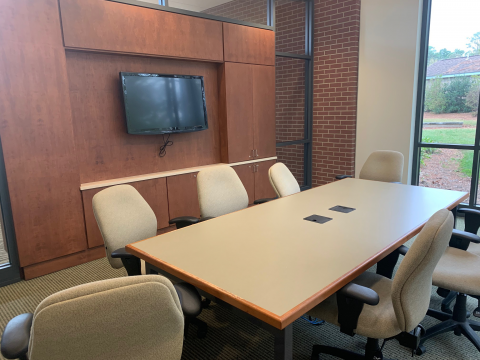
{"x":271,"y":263}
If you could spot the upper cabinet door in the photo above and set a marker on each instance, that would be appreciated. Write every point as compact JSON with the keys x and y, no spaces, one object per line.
{"x":112,"y":26}
{"x":264,"y":111}
{"x":238,"y":103}
{"x":248,"y":45}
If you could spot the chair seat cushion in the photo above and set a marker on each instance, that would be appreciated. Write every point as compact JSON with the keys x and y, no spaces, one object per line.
{"x":474,"y":249}
{"x":458,"y":271}
{"x":377,"y":322}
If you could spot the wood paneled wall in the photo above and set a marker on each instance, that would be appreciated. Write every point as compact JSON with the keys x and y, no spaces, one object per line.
{"x":37,"y":132}
{"x":62,"y":120}
{"x":104,"y":149}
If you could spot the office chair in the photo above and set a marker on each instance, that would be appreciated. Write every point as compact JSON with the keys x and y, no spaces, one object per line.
{"x":124,"y":217}
{"x":381,"y":165}
{"x":126,"y":318}
{"x":457,"y":272}
{"x":220,"y":191}
{"x":395,"y":307}
{"x":282,"y":180}
{"x":472,"y":224}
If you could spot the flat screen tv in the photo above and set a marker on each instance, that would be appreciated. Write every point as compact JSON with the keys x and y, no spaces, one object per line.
{"x":163,"y":104}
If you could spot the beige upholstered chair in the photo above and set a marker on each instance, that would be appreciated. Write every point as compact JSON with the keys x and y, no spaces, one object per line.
{"x":382,"y":165}
{"x":392,"y":307}
{"x":282,"y":180}
{"x":459,"y":272}
{"x":124,"y":217}
{"x":220,"y":191}
{"x":126,"y":318}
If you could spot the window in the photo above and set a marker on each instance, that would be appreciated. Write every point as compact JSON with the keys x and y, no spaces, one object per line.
{"x":294,"y":91}
{"x":447,"y":135}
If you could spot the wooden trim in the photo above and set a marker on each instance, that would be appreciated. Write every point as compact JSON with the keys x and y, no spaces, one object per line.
{"x":64,"y":262}
{"x":131,"y":179}
{"x":289,"y":317}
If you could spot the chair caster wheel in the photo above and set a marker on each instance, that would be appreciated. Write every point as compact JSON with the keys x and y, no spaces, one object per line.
{"x":206,"y":303}
{"x":420,"y":350}
{"x":476,"y":312}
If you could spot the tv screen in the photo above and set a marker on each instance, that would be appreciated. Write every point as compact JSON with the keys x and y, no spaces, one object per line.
{"x":163,"y":104}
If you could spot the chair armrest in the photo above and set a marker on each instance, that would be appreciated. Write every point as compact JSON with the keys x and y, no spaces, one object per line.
{"x":469,"y":211}
{"x":350,"y":301}
{"x":16,"y":337}
{"x":341,"y":177}
{"x":462,"y":239}
{"x":402,"y":250}
{"x":184,"y":221}
{"x":263,"y":201}
{"x":360,"y":293}
{"x":121,"y":254}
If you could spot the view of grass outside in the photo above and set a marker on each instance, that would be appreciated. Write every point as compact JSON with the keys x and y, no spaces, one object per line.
{"x":451,"y":95}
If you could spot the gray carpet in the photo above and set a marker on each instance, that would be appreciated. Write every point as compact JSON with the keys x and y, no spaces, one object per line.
{"x":229,"y":336}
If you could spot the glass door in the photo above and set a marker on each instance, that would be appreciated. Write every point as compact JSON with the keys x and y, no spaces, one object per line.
{"x":9,"y":264}
{"x":447,"y":135}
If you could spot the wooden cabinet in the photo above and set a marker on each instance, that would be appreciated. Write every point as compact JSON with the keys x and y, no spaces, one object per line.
{"x":245,"y":173}
{"x":255,"y":179}
{"x":247,"y":103}
{"x":112,"y":26}
{"x":183,"y":196}
{"x":263,"y":188}
{"x":264,"y":141}
{"x":248,"y":45}
{"x":153,"y":191}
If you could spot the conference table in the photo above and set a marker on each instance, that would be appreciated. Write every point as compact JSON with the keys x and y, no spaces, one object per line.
{"x":271,"y":264}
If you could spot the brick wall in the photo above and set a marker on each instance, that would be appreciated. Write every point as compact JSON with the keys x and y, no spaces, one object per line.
{"x":336,"y":46}
{"x":245,"y":10}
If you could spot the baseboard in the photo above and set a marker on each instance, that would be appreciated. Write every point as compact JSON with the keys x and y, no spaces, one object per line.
{"x":64,"y":262}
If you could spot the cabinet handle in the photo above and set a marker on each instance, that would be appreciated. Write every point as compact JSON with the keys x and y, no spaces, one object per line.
{"x":252,"y":154}
{"x":256,"y":153}
{"x":256,"y":166}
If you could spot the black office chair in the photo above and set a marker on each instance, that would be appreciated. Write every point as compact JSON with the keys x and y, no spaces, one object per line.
{"x":124,"y":217}
{"x":396,"y":307}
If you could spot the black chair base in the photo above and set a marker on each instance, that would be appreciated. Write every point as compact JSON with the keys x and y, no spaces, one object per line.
{"x":202,"y":327}
{"x":372,"y":352}
{"x":457,"y":322}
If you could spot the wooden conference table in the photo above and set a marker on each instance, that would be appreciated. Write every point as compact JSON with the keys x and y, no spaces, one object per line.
{"x":270,"y":263}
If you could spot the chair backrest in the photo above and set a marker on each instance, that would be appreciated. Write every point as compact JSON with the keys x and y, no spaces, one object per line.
{"x":123,"y":217}
{"x":220,"y":191}
{"x":282,"y":180}
{"x":412,"y":285}
{"x":138,"y":317}
{"x":383,"y":165}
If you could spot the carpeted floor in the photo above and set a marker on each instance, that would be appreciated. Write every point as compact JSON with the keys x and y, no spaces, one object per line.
{"x":229,"y":336}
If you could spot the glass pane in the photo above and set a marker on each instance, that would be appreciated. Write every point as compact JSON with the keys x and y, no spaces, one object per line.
{"x":452,"y":73}
{"x":448,"y":169}
{"x":290,"y":99}
{"x":254,"y":11}
{"x":292,"y":157}
{"x":3,"y":244}
{"x":290,"y":26}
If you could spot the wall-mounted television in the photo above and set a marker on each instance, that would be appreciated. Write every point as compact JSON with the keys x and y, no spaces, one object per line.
{"x":163,"y":104}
